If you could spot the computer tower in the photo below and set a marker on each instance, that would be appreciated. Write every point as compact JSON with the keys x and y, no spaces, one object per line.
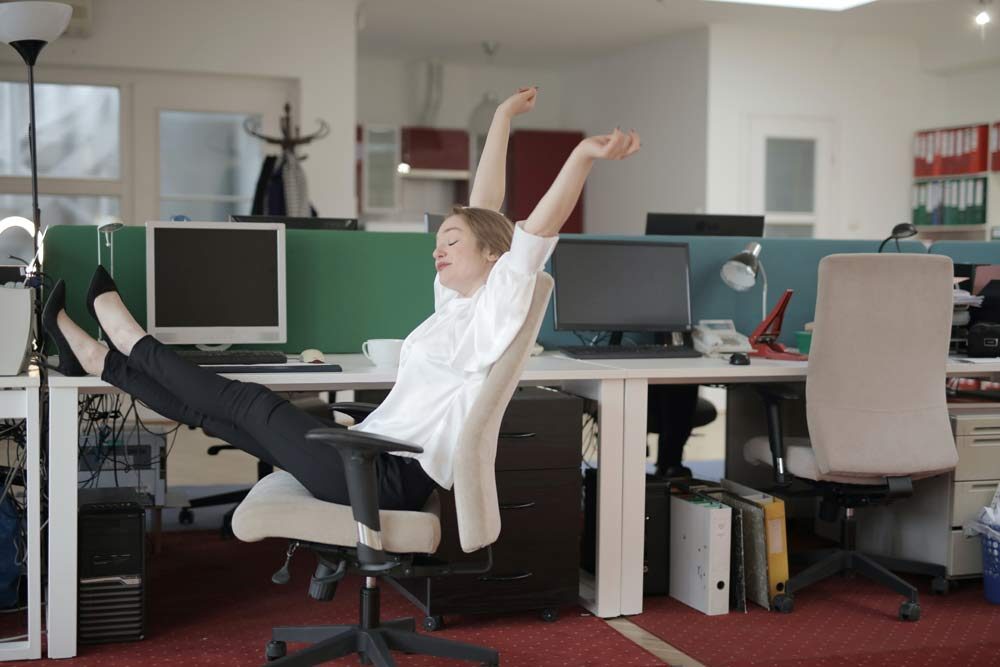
{"x":656,"y":537}
{"x":111,"y":566}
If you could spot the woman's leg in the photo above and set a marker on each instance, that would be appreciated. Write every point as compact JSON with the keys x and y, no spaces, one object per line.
{"x":156,"y":397}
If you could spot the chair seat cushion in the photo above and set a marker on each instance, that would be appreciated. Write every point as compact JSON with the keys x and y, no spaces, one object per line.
{"x":279,"y":506}
{"x":800,"y":461}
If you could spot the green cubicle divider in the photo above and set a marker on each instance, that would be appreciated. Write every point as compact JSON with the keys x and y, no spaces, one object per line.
{"x":789,"y":263}
{"x":343,"y":287}
{"x":346,"y":287}
{"x":969,"y":252}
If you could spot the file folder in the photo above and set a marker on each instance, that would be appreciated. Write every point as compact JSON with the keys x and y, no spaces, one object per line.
{"x":700,"y":543}
{"x":775,"y":537}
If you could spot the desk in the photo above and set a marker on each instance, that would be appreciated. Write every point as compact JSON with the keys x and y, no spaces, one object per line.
{"x":619,"y":385}
{"x":603,"y":384}
{"x":639,"y":374}
{"x":19,"y":399}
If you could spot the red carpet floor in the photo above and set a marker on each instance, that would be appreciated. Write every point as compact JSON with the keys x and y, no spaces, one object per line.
{"x":212,"y":603}
{"x":837,"y":622}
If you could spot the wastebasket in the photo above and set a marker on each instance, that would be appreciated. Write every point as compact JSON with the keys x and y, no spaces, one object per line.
{"x":991,"y":567}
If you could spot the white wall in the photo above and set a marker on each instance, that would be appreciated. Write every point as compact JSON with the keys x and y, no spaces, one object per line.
{"x":869,"y":86}
{"x":389,"y":92}
{"x":660,"y":88}
{"x":312,"y":41}
{"x":960,"y":97}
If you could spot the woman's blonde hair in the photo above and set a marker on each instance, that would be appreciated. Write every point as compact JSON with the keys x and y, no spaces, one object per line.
{"x":493,"y":230}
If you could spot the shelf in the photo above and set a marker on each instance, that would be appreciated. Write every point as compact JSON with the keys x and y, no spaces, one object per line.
{"x":438,"y":174}
{"x":951,"y":177}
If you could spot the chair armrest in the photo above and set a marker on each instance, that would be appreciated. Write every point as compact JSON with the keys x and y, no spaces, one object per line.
{"x":358,"y":451}
{"x":356,"y":411}
{"x":773,"y":395}
{"x":214,"y":450}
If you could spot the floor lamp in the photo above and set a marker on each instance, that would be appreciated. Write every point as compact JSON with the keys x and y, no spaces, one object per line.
{"x":28,"y":27}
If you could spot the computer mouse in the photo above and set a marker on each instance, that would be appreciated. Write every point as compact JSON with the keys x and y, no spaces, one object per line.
{"x":537,"y":350}
{"x":313,"y":356}
{"x":739,"y":359}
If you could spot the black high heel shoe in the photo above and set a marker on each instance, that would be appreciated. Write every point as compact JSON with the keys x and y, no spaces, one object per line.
{"x":100,"y":283}
{"x":68,"y":363}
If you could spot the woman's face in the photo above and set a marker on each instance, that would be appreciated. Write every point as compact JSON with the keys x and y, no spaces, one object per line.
{"x":461,"y":264}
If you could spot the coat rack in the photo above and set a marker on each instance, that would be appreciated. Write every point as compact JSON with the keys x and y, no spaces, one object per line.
{"x":290,"y":137}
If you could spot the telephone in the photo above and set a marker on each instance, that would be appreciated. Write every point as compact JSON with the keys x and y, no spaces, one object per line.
{"x":719,"y":337}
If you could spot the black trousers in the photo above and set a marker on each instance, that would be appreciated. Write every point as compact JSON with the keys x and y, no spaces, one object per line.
{"x":670,"y":410}
{"x":256,"y":420}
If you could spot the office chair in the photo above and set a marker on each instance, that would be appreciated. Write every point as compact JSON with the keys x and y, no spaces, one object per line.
{"x":875,"y":404}
{"x":390,"y":543}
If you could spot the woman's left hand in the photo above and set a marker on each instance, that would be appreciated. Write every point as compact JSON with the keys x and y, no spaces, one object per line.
{"x":520,"y":102}
{"x":615,"y":146}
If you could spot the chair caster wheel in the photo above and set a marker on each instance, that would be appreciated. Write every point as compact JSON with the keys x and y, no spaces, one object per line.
{"x":186,"y":516}
{"x":940,"y":586}
{"x":783,"y":604}
{"x":550,"y":615}
{"x":433,"y":623}
{"x":275,"y":650}
{"x":909,"y":611}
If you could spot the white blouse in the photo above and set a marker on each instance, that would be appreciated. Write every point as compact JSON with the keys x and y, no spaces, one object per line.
{"x":444,"y":361}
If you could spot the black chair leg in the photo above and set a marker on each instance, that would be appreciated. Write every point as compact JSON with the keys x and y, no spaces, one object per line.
{"x":439,"y":647}
{"x":309,"y":634}
{"x":829,"y":566}
{"x":373,"y":646}
{"x":869,"y":568}
{"x":346,"y":643}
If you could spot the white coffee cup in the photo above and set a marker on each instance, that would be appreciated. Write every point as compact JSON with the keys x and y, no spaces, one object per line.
{"x":382,"y":351}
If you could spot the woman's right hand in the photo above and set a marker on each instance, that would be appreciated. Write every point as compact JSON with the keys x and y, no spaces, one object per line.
{"x":520,"y":102}
{"x":615,"y":146}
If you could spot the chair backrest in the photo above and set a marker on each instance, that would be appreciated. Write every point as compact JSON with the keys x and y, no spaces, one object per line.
{"x":875,"y":389}
{"x":476,"y":505}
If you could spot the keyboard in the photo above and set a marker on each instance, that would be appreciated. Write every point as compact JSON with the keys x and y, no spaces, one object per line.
{"x":281,"y":368}
{"x":233,"y":357}
{"x":630,"y":352}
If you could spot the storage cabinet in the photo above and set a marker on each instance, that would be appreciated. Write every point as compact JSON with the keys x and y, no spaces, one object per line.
{"x":536,"y":559}
{"x":436,"y":150}
{"x":533,"y":161}
{"x":928,"y":526}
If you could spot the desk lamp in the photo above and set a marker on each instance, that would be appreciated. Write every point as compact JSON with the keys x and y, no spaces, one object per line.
{"x":740,"y":273}
{"x":903,"y":230}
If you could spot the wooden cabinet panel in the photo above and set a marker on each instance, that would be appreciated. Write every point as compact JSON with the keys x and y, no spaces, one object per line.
{"x":435,"y":148}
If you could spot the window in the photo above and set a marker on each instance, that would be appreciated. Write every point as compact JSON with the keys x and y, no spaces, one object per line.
{"x":208,"y":164}
{"x":79,"y":152}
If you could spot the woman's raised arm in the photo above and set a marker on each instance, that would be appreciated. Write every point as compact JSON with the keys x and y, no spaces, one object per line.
{"x":491,"y":174}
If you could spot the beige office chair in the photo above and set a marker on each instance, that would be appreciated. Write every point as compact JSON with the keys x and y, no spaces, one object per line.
{"x":875,"y":403}
{"x":389,"y":543}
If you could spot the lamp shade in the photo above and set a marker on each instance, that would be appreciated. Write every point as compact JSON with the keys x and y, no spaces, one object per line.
{"x":33,"y":21}
{"x":740,"y":271}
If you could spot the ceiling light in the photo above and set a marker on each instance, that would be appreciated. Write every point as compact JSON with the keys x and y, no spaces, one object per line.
{"x":826,"y":5}
{"x":982,"y":18}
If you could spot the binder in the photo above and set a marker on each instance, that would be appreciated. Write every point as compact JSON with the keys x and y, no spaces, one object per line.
{"x":775,"y":536}
{"x":700,"y":543}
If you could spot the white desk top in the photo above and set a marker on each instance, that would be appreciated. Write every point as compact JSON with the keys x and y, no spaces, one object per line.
{"x":22,"y":381}
{"x":549,"y":366}
{"x":358,"y":371}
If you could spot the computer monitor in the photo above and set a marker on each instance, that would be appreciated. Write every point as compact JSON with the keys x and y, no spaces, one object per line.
{"x":697,"y":224}
{"x":336,"y":224}
{"x":621,"y":285}
{"x":215,"y":282}
{"x":433,"y":221}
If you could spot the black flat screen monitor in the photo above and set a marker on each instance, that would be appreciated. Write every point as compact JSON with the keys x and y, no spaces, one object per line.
{"x":336,"y":224}
{"x":621,"y":286}
{"x":433,"y":221}
{"x":696,"y":224}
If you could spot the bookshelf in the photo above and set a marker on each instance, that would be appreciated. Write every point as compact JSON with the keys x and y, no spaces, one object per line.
{"x":956,"y":182}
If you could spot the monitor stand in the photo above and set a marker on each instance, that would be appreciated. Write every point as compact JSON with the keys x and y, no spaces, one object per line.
{"x":219,"y":347}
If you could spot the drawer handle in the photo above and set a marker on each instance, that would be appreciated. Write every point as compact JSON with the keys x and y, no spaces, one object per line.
{"x":984,"y":442}
{"x":517,"y":506}
{"x":507,"y":577}
{"x":518,"y":436}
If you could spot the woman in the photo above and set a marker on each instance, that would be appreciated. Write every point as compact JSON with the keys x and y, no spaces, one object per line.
{"x":486,"y":270}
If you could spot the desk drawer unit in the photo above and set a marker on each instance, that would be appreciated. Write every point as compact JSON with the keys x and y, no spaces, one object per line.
{"x":977,"y":439}
{"x":536,"y":559}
